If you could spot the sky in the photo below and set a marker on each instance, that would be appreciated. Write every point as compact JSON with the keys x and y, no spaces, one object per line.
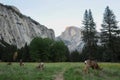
{"x":59,"y":14}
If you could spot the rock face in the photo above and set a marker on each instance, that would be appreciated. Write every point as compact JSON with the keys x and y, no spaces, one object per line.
{"x":72,"y":38}
{"x":18,"y":29}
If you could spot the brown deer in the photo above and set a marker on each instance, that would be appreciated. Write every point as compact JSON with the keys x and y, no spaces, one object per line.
{"x":91,"y":64}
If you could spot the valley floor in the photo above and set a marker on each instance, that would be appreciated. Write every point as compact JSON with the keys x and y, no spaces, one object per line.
{"x":58,"y":71}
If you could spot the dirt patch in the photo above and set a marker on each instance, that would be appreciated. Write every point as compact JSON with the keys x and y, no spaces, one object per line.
{"x":60,"y":76}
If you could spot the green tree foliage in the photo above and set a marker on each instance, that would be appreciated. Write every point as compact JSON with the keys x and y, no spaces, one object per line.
{"x":39,"y":49}
{"x":58,"y":51}
{"x":47,"y":50}
{"x":109,"y":35}
{"x":75,"y":56}
{"x":89,"y":35}
{"x":7,"y":51}
{"x":24,"y":53}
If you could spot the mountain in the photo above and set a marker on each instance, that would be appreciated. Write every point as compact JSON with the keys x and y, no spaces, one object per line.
{"x":72,"y":38}
{"x":18,"y":29}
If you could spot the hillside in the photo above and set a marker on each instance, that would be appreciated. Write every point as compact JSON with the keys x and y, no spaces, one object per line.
{"x":18,"y":29}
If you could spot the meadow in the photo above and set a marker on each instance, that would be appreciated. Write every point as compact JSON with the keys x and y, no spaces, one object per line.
{"x":68,"y":71}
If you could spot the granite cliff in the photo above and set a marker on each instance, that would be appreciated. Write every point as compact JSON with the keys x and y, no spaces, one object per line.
{"x":18,"y":29}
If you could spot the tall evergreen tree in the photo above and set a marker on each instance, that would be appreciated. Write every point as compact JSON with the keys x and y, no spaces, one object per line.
{"x":92,"y":30}
{"x":109,"y":34}
{"x":85,"y":27}
{"x":89,"y":34}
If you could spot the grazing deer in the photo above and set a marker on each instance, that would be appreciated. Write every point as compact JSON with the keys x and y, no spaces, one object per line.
{"x":91,"y":64}
{"x":41,"y":66}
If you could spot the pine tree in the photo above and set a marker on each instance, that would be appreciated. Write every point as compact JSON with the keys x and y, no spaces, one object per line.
{"x":85,"y":27}
{"x":89,"y":34}
{"x":109,"y":33}
{"x":92,"y":30}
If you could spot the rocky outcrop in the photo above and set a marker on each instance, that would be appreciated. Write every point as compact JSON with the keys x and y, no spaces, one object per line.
{"x":18,"y":29}
{"x":72,"y":37}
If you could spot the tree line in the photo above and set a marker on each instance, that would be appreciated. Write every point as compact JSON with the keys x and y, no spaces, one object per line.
{"x":39,"y":50}
{"x":105,"y":45}
{"x":100,"y":46}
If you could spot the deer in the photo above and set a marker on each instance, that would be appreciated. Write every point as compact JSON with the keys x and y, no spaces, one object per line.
{"x":91,"y":64}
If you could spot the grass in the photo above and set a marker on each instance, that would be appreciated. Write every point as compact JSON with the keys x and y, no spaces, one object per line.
{"x":28,"y":71}
{"x":72,"y":71}
{"x":111,"y":71}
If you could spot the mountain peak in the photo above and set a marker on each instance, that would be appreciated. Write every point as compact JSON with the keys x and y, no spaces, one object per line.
{"x":72,"y":37}
{"x":71,"y":30}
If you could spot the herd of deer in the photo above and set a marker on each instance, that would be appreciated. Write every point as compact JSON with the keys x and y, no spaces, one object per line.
{"x":40,"y":66}
{"x":88,"y":64}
